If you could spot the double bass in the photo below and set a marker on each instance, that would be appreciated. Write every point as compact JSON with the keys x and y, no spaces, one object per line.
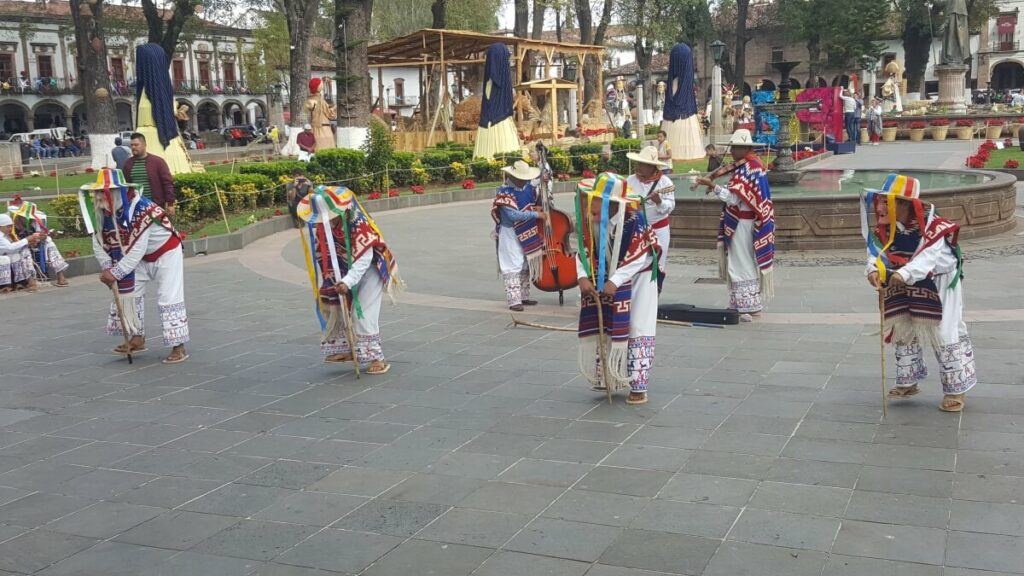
{"x":558,"y":265}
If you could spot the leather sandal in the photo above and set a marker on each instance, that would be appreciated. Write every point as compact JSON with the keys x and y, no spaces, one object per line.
{"x":952,"y":403}
{"x":378,"y":367}
{"x":904,"y":391}
{"x":636,"y":398}
{"x":338,"y":358}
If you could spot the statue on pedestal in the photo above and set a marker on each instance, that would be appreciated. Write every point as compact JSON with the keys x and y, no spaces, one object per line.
{"x":891,"y":89}
{"x":956,"y":43}
{"x":321,"y":113}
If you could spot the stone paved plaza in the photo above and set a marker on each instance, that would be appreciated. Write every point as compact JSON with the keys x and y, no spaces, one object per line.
{"x":762,"y":451}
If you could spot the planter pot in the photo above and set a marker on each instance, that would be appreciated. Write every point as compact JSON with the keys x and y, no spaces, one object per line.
{"x":889,"y":134}
{"x":993,"y":132}
{"x":916,"y":134}
{"x":864,"y":136}
{"x":939,"y":132}
{"x":964,"y":132}
{"x":1013,"y":128}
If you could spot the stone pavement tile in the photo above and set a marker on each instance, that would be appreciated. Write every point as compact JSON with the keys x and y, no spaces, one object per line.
{"x":790,"y":367}
{"x":192,"y":563}
{"x":807,"y":381}
{"x":744,"y":559}
{"x":669,"y":437}
{"x":434,"y":488}
{"x":948,"y":571}
{"x":786,"y":529}
{"x":237,"y":500}
{"x":37,"y":549}
{"x":801,"y":499}
{"x":104,"y":519}
{"x":161,"y":461}
{"x":995,"y":441}
{"x":596,"y":507}
{"x":911,"y":457}
{"x":391,"y":517}
{"x":1009,"y":423}
{"x":9,"y":532}
{"x":992,"y":518}
{"x":839,"y":565}
{"x":176,"y":530}
{"x":41,"y":447}
{"x":39,"y":508}
{"x":827,"y":450}
{"x":928,"y":436}
{"x":411,"y":415}
{"x":933,"y":483}
{"x":102,"y":484}
{"x":515,"y":445}
{"x":899,"y":509}
{"x":45,"y":424}
{"x":545,"y":472}
{"x":994,"y":552}
{"x":312,"y":427}
{"x":474,"y":527}
{"x":255,"y":539}
{"x":598,"y":431}
{"x":709,"y":489}
{"x":728,"y":465}
{"x":272,"y":569}
{"x":256,"y":422}
{"x":622,"y":413}
{"x":390,"y":458}
{"x":845,"y":413}
{"x":580,"y":451}
{"x":563,"y":539}
{"x":745,"y":443}
{"x":511,"y":498}
{"x":530,"y":425}
{"x":310,"y":508}
{"x":151,"y":434}
{"x":359,"y":481}
{"x":44,"y":475}
{"x":209,"y":440}
{"x":517,"y":564}
{"x":794,"y":471}
{"x":1003,"y":463}
{"x":288,"y":474}
{"x":271,"y":446}
{"x":849,"y":431}
{"x":758,"y":404}
{"x":648,"y":457}
{"x":447,"y":559}
{"x":889,"y":542}
{"x":168,"y":492}
{"x":747,"y":424}
{"x":336,"y":452}
{"x":8,"y":494}
{"x":606,"y":570}
{"x":624,"y":481}
{"x":988,"y":488}
{"x":434,"y":438}
{"x":556,"y":409}
{"x":466,"y":420}
{"x":339,"y":550}
{"x":195,"y":416}
{"x":222,"y":467}
{"x":660,"y":551}
{"x":374,"y":432}
{"x":109,"y":559}
{"x":98,"y":429}
{"x":707,"y":520}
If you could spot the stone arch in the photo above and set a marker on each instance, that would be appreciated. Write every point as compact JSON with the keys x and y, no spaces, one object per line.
{"x":207,"y":115}
{"x":125,"y":114}
{"x":256,"y":112}
{"x":190,"y":124}
{"x":78,"y":117}
{"x":49,"y":113}
{"x":232,"y":112}
{"x":1006,"y":74}
{"x":14,"y":117}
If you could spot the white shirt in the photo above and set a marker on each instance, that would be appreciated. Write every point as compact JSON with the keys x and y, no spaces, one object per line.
{"x":151,"y":240}
{"x":849,"y":103}
{"x":8,"y":247}
{"x":664,"y":187}
{"x":936,"y":259}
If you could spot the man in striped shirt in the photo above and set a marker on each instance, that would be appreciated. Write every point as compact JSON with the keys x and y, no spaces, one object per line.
{"x":152,"y":174}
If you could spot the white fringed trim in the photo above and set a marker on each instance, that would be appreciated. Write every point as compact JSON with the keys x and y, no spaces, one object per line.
{"x":131,"y":314}
{"x":617,"y":358}
{"x":903,"y":329}
{"x":767,"y":285}
{"x":395,"y":287}
{"x":535,"y":261}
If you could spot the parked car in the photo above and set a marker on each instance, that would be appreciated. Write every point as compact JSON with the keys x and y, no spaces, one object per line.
{"x":57,"y":133}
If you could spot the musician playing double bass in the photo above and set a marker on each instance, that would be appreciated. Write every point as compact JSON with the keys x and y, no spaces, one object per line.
{"x":659,"y":197}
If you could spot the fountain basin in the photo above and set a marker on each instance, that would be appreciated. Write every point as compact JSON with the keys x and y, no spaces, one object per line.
{"x":822,"y":211}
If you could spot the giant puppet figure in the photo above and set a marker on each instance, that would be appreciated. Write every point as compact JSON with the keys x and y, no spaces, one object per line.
{"x":154,"y":103}
{"x":496,"y":131}
{"x":321,"y":113}
{"x":680,"y":121}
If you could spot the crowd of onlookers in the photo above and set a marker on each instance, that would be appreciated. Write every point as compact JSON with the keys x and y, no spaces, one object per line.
{"x":50,"y":147}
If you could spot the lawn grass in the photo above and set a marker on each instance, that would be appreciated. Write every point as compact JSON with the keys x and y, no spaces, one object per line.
{"x":68,"y":184}
{"x":998,"y":158}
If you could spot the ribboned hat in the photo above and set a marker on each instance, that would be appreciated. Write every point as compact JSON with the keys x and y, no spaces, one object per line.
{"x":900,"y":186}
{"x":335,"y":199}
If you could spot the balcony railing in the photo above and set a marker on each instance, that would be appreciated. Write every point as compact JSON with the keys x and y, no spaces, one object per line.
{"x":998,"y":46}
{"x":37,"y":86}
{"x":405,"y":101}
{"x":233,"y":88}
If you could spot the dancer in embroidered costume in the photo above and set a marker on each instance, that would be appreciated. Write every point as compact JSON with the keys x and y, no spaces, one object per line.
{"x":516,"y":213}
{"x":135,"y":243}
{"x":29,"y":220}
{"x":347,"y":258}
{"x":746,"y":229}
{"x":16,"y":270}
{"x":617,"y":265}
{"x":659,"y":194}
{"x":914,"y":260}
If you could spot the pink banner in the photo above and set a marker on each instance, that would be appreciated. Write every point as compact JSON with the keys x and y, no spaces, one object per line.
{"x":829,"y":115}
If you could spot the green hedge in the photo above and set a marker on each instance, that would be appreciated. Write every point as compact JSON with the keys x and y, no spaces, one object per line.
{"x":402,"y":163}
{"x":196,"y":198}
{"x":274,"y":170}
{"x":583,"y":157}
{"x":342,"y":164}
{"x":620,"y":146}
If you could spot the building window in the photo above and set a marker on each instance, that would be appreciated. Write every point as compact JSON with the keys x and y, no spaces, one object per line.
{"x":6,"y":68}
{"x":44,"y":64}
{"x":1006,"y":30}
{"x":777,"y":54}
{"x":178,"y":72}
{"x":117,"y":69}
{"x":399,"y":90}
{"x":204,"y":73}
{"x":229,"y":73}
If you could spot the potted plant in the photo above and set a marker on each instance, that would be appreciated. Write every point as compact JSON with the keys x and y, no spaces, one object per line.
{"x":1015,"y":125}
{"x":917,"y":131}
{"x":964,"y":128}
{"x":994,"y":128}
{"x":940,"y":128}
{"x":889,"y":128}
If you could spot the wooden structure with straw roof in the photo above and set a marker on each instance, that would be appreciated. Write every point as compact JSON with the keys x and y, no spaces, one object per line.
{"x":435,"y":52}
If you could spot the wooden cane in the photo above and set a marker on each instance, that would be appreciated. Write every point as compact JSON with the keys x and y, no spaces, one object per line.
{"x":601,"y":355}
{"x":881,"y":343}
{"x":124,"y":325}
{"x":517,"y":322}
{"x":350,"y":334}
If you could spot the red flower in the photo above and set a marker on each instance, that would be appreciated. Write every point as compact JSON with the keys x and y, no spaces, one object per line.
{"x":375,"y":195}
{"x":940,"y":122}
{"x":211,"y":163}
{"x":890,"y":124}
{"x":589,"y":174}
{"x":53,"y":174}
{"x":965,"y":123}
{"x":393,"y":193}
{"x":987,"y":145}
{"x":184,"y":235}
{"x":918,"y":125}
{"x":995,"y":122}
{"x":562,"y":177}
{"x":468,"y":184}
{"x":416,"y":189}
{"x":1011,"y":164}
{"x":18,"y":175}
{"x":71,"y":253}
{"x":975,"y":162}
{"x":278,"y":212}
{"x":89,"y":170}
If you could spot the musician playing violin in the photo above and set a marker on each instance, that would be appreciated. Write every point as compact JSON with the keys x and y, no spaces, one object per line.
{"x":659,"y":193}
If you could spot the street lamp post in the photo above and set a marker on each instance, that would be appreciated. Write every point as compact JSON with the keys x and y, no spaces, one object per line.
{"x":715,"y":127}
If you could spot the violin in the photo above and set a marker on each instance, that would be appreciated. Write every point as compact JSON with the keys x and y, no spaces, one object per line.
{"x":558,"y":265}
{"x":722,"y":171}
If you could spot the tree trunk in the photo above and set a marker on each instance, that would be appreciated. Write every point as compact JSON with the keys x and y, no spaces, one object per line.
{"x":94,"y":80}
{"x":439,"y":17}
{"x":533,"y":57}
{"x":299,"y":16}
{"x":522,"y":21}
{"x":166,"y":32}
{"x":813,"y":60}
{"x":740,"y":61}
{"x":352,"y":70}
{"x":588,"y":35}
{"x":916,"y":47}
{"x":643,"y":51}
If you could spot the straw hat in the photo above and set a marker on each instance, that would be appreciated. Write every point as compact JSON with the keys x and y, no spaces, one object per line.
{"x":5,"y":220}
{"x":647,"y":155}
{"x":742,"y":137}
{"x":307,"y":127}
{"x":336,"y":200}
{"x":520,"y":170}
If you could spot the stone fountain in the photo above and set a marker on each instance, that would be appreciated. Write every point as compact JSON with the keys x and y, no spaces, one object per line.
{"x":784,"y":172}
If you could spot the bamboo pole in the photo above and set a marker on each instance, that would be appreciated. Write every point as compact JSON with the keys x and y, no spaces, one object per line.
{"x":223,"y":214}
